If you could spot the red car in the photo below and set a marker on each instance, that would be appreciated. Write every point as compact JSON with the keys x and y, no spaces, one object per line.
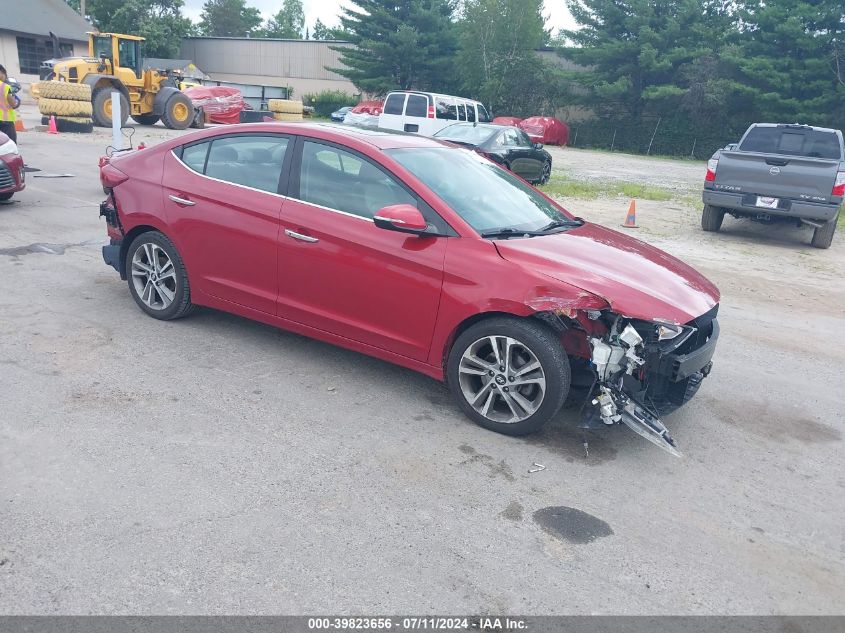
{"x":422,"y":254}
{"x":12,"y":177}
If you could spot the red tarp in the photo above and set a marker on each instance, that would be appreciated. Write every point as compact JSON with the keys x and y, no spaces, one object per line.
{"x":506,"y":120}
{"x":369,"y":107}
{"x":221,"y":103}
{"x":545,"y":129}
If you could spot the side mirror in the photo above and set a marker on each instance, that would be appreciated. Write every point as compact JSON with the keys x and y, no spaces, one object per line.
{"x":404,"y":218}
{"x":538,"y":146}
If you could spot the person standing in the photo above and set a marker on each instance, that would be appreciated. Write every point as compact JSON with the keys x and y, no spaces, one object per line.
{"x":8,"y":103}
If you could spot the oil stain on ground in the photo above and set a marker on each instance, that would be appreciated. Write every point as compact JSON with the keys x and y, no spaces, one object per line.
{"x":495,"y":469}
{"x":571,"y":525}
{"x":562,"y":436}
{"x":513,"y":512}
{"x":778,"y":422}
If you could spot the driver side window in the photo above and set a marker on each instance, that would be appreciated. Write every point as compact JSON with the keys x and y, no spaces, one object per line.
{"x":336,"y":179}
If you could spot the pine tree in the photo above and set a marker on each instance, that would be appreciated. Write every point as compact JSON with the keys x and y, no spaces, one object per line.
{"x":398,"y":44}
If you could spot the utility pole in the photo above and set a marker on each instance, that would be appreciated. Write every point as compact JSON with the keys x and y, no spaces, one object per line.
{"x":82,"y":8}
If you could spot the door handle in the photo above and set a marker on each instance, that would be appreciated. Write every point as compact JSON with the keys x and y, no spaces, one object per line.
{"x":182,"y":201}
{"x":300,"y":236}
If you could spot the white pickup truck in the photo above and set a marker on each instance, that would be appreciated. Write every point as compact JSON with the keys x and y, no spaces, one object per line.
{"x":778,"y":172}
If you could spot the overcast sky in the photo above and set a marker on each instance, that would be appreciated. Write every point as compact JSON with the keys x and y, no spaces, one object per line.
{"x":327,"y":11}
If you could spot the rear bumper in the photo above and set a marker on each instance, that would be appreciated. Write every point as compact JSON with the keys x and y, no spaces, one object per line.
{"x":744,"y":203}
{"x":111,"y":256}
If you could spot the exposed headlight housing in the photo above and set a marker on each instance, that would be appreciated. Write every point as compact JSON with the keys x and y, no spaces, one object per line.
{"x":9,"y":147}
{"x":668,"y":331}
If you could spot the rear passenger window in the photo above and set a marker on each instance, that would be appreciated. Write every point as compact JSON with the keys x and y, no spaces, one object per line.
{"x":336,"y":179}
{"x":470,"y":113}
{"x":417,"y":106}
{"x":251,"y":161}
{"x":447,"y":110}
{"x":394,"y":104}
{"x":194,"y":156}
{"x":462,"y":112}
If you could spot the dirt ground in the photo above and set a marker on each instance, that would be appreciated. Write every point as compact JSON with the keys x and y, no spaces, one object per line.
{"x":216,"y":465}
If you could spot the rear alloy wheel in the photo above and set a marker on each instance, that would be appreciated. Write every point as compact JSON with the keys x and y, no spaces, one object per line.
{"x":157,"y":278}
{"x":711,"y":218}
{"x":823,"y":235}
{"x":546,"y":174}
{"x":509,"y":375}
{"x":178,"y":112}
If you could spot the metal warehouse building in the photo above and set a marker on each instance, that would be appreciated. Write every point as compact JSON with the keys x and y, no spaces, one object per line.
{"x":300,"y":64}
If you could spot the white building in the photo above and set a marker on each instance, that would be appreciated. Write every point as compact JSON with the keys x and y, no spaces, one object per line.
{"x":25,"y":35}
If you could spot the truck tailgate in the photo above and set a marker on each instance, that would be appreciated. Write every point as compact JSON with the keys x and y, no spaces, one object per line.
{"x":776,"y":176}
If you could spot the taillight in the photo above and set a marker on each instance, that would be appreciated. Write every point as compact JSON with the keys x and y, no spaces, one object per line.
{"x":839,"y":185}
{"x":710,"y":176}
{"x":430,"y":111}
{"x":111,"y":176}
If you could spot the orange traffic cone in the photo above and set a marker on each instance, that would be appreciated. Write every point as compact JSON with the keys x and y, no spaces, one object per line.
{"x":53,"y":129}
{"x":19,"y":126}
{"x":631,"y":218}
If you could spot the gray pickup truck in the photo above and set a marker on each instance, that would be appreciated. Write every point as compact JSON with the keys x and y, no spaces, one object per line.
{"x":778,"y":172}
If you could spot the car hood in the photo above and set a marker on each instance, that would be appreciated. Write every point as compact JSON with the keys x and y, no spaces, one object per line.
{"x":636,"y":280}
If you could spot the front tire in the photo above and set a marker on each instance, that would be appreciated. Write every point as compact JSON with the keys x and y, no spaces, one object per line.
{"x":7,"y":195}
{"x":178,"y":112}
{"x":509,"y":375}
{"x":158,"y":281}
{"x":823,"y":235}
{"x":102,"y":107}
{"x":711,"y":218}
{"x":546,"y":174}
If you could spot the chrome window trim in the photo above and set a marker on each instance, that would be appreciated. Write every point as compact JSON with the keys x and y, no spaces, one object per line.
{"x":269,"y":193}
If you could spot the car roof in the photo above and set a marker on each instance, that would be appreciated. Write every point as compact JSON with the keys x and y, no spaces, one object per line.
{"x":433,"y":94}
{"x":797,"y":126}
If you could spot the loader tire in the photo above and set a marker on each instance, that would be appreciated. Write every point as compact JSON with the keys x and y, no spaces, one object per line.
{"x":145,"y":119}
{"x":63,"y":90}
{"x":284,"y":116}
{"x":102,"y":107}
{"x":285,"y":106}
{"x":64,"y":107}
{"x":76,"y":125}
{"x":178,"y":112}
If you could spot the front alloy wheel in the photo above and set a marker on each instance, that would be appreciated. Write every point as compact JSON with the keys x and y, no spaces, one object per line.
{"x":509,"y":375}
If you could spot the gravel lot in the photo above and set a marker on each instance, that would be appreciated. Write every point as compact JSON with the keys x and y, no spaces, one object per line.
{"x":215,"y":465}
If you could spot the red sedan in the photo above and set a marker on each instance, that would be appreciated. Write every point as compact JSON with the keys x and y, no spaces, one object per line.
{"x":12,"y":178}
{"x":422,"y":254}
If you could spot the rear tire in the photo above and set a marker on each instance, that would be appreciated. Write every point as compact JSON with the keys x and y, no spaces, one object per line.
{"x":178,"y":112}
{"x":711,"y":218}
{"x":102,"y":107}
{"x":517,"y":400}
{"x":145,"y":119}
{"x":823,"y":235}
{"x":158,"y":281}
{"x":6,"y":195}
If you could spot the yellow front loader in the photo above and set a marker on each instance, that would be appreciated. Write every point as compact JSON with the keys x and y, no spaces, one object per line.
{"x":114,"y":64}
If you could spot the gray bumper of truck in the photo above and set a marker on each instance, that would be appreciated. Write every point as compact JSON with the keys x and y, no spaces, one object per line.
{"x":744,"y":203}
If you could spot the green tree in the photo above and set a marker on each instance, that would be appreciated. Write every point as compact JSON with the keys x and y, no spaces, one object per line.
{"x":791,"y":57}
{"x":499,"y":65}
{"x":321,"y":31}
{"x":229,"y":18}
{"x":398,"y":44}
{"x":288,"y":22}
{"x":159,"y":21}
{"x":640,"y":55}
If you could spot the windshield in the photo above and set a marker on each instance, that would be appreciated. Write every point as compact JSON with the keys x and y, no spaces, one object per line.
{"x":474,"y":134}
{"x":487,"y":197}
{"x":792,"y":141}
